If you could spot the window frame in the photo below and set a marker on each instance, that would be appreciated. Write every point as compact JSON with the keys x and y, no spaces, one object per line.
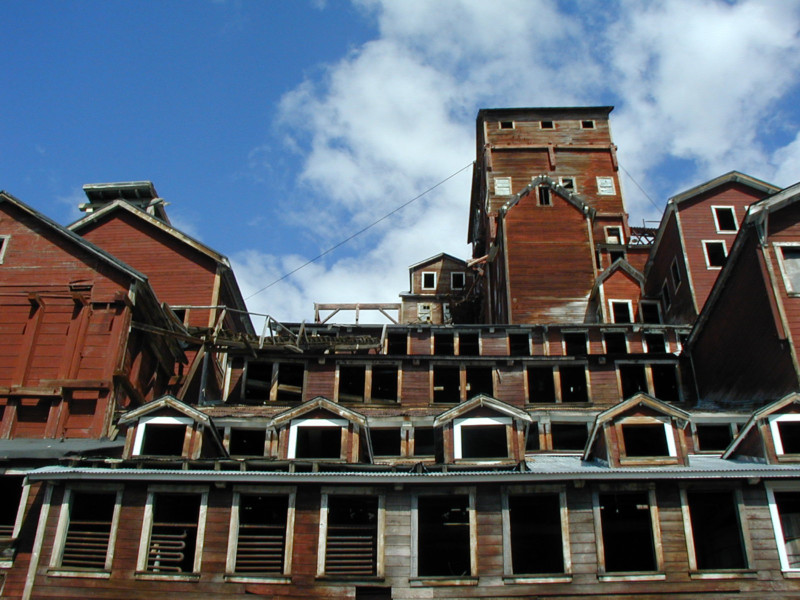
{"x":666,"y":298}
{"x":620,"y":239}
{"x":675,"y":274}
{"x":588,"y":124}
{"x":549,"y":127}
{"x":422,"y":280}
{"x":546,"y":199}
{"x":777,"y":442}
{"x":604,"y":184}
{"x":705,"y":244}
{"x":233,"y":533}
{"x":368,"y":382}
{"x":628,"y":303}
{"x":4,"y":241}
{"x":777,"y":527}
{"x":787,"y":281}
{"x":502,"y":186}
{"x":295,"y":424}
{"x":452,"y":283}
{"x":141,"y":429}
{"x":655,"y":303}
{"x":571,"y":178}
{"x":669,"y":436}
{"x":62,"y":528}
{"x":459,"y":423}
{"x":714,"y":208}
{"x":21,"y":507}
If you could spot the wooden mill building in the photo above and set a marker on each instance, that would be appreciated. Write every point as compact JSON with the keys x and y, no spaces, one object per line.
{"x":582,"y":408}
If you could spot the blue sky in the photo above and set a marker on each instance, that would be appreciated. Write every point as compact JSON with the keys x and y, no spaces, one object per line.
{"x":277,"y":129}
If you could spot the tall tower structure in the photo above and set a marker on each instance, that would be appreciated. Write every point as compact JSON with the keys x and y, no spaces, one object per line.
{"x":546,"y":213}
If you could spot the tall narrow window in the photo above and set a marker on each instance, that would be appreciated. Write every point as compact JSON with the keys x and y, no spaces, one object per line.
{"x":351,"y":544}
{"x":171,"y":546}
{"x":3,"y":247}
{"x":290,"y":382}
{"x":666,"y":298}
{"x":88,"y":520}
{"x":261,"y":534}
{"x":443,"y":536}
{"x":384,"y":383}
{"x":716,"y":530}
{"x":675,"y":272}
{"x":633,"y":379}
{"x":536,"y":534}
{"x":627,"y":531}
{"x":541,"y":387}
{"x":665,"y":382}
{"x":621,"y":311}
{"x":424,"y":441}
{"x":573,"y":384}
{"x":352,"y":383}
{"x":544,"y":195}
{"x":10,"y":503}
{"x":480,"y":380}
{"x":725,"y":219}
{"x":785,"y":510}
{"x":446,"y":384}
{"x":716,"y":254}
{"x":791,"y":267}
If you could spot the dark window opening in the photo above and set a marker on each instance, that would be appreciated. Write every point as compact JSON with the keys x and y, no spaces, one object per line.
{"x":536,"y":545}
{"x":290,"y":382}
{"x":373,"y":593}
{"x":627,"y":532}
{"x":261,"y":545}
{"x":713,"y":438}
{"x":385,"y":442}
{"x":10,"y":496}
{"x":469,"y":344}
{"x":715,"y":254}
{"x":30,"y":410}
{"x":519,"y":344}
{"x":573,"y":384}
{"x":716,"y":530}
{"x":397,"y":343}
{"x":384,"y":383}
{"x":446,"y":384}
{"x":541,"y":385}
{"x":247,"y":442}
{"x":429,"y":281}
{"x":621,"y":312}
{"x":163,"y":440}
{"x":587,"y":124}
{"x":666,"y":299}
{"x":575,"y":344}
{"x":726,"y":218}
{"x":351,"y":547}
{"x":634,"y":380}
{"x":569,"y":436}
{"x":506,"y":124}
{"x":258,"y":380}
{"x":180,"y":313}
{"x":484,"y":441}
{"x":665,"y":383}
{"x":174,"y":534}
{"x":443,"y":541}
{"x":788,"y":505}
{"x":532,"y":441}
{"x":479,"y":381}
{"x":615,"y":255}
{"x":614,"y":235}
{"x":649,"y":312}
{"x":544,"y":196}
{"x":351,"y":383}
{"x":89,"y":530}
{"x":568,"y":183}
{"x":457,"y":281}
{"x":615,"y":342}
{"x":676,"y":274}
{"x":790,"y":436}
{"x":655,"y":342}
{"x":645,"y":440}
{"x":424,"y":441}
{"x":444,"y":344}
{"x":546,"y":124}
{"x":597,"y":260}
{"x":319,"y":442}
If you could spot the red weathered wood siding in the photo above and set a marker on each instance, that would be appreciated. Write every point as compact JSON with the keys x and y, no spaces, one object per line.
{"x":670,"y":248}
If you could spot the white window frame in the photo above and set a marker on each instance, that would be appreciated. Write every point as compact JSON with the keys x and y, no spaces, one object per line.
{"x":613,"y":301}
{"x":147,"y":528}
{"x":500,"y":125}
{"x":606,"y":186}
{"x":142,"y":424}
{"x":508,"y":568}
{"x":322,"y":544}
{"x":4,"y":240}
{"x":505,"y":422}
{"x":787,"y":281}
{"x":574,"y":188}
{"x":63,"y":526}
{"x":674,"y":268}
{"x":233,"y":533}
{"x":714,"y":208}
{"x":552,"y":124}
{"x":502,"y":186}
{"x":452,"y":285}
{"x":292,"y":450}
{"x":773,"y":421}
{"x":672,"y":449}
{"x":621,"y":241}
{"x":422,"y":280}
{"x":777,"y":528}
{"x":592,"y":126}
{"x":705,"y":252}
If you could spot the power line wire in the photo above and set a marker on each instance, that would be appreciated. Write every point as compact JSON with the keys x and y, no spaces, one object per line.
{"x":359,"y":232}
{"x":641,"y":189}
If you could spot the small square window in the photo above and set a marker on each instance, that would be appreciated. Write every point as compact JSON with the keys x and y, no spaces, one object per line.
{"x":519,"y":344}
{"x":725,"y":219}
{"x":716,"y":254}
{"x":568,"y":183}
{"x":458,"y":280}
{"x":385,"y":442}
{"x":547,"y":125}
{"x":616,"y":342}
{"x":469,"y":344}
{"x":575,"y":344}
{"x":587,"y":124}
{"x":713,"y":438}
{"x":428,"y":280}
{"x":614,"y":235}
{"x":615,"y":255}
{"x":506,"y":124}
{"x":655,"y":342}
{"x":569,"y":436}
{"x":544,"y":196}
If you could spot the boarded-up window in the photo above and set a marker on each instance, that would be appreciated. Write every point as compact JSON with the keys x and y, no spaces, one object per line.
{"x":627,"y":532}
{"x":443,"y":546}
{"x":351,"y":545}
{"x":173,"y":536}
{"x":261,"y":541}
{"x":89,"y":530}
{"x":716,"y":531}
{"x":536,"y":539}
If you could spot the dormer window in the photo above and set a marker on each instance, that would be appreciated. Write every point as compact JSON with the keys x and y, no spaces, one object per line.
{"x":621,"y":311}
{"x":647,"y":440}
{"x":480,"y":437}
{"x":160,"y":436}
{"x":785,"y":431}
{"x":316,"y":438}
{"x":428,"y":280}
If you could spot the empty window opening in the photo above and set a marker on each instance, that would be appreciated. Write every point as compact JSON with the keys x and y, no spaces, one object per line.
{"x":791,"y":266}
{"x":458,"y":281}
{"x":536,"y":544}
{"x":615,"y":255}
{"x":716,"y":255}
{"x":587,"y":124}
{"x":180,"y":314}
{"x":633,"y":379}
{"x":384,"y":383}
{"x":627,"y":532}
{"x":650,"y":312}
{"x":519,"y":344}
{"x":89,"y":530}
{"x":506,"y":124}
{"x":568,"y":183}
{"x":33,"y":410}
{"x":716,"y":531}
{"x":479,"y":381}
{"x":788,"y":507}
{"x":614,"y":235}
{"x":351,"y":544}
{"x":351,"y":383}
{"x":484,"y":441}
{"x":173,"y":536}
{"x":646,"y":439}
{"x":162,"y":439}
{"x":396,"y":343}
{"x":575,"y":344}
{"x":666,"y":299}
{"x":541,"y":386}
{"x":443,"y":544}
{"x":544,"y":195}
{"x":469,"y":344}
{"x":655,"y":342}
{"x":790,"y":436}
{"x":446,"y":384}
{"x":713,"y":438}
{"x":258,"y":380}
{"x":261,"y":544}
{"x":247,"y":442}
{"x":615,"y":342}
{"x":569,"y":436}
{"x":318,"y":442}
{"x":428,"y":280}
{"x":725,"y":219}
{"x":573,"y":384}
{"x":665,"y":382}
{"x":621,"y":311}
{"x":385,"y":442}
{"x":444,"y":344}
{"x":546,"y":125}
{"x":676,"y":273}
{"x":532,"y":440}
{"x":290,"y":382}
{"x":424,"y":441}
{"x":373,"y":593}
{"x":10,"y":497}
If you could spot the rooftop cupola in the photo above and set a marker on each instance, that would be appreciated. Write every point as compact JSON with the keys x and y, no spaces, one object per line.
{"x":141,"y":194}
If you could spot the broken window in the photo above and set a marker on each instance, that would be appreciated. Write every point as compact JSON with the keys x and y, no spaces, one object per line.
{"x":633,"y":379}
{"x":506,"y":124}
{"x":469,"y":344}
{"x":587,"y":124}
{"x":316,"y":438}
{"x":655,"y":342}
{"x":789,"y":437}
{"x":616,"y":342}
{"x":568,"y":183}
{"x":385,"y":442}
{"x":446,"y":384}
{"x":725,"y":219}
{"x":443,"y":530}
{"x":247,"y":442}
{"x":458,"y":280}
{"x":536,"y":539}
{"x":162,"y":439}
{"x":676,"y":274}
{"x":444,"y":344}
{"x":172,"y":542}
{"x":479,"y":381}
{"x":532,"y":440}
{"x":649,"y":312}
{"x":621,"y":311}
{"x":665,"y":382}
{"x":258,"y":381}
{"x":351,"y":543}
{"x":424,"y":312}
{"x":627,"y":532}
{"x":10,"y":500}
{"x":573,"y":384}
{"x":261,"y":534}
{"x":541,"y":386}
{"x":428,"y":280}
{"x":89,"y":519}
{"x":575,"y":344}
{"x":546,"y":125}
{"x":615,"y":255}
{"x":352,"y":383}
{"x":569,"y":436}
{"x":647,"y":440}
{"x":396,"y":343}
{"x":785,"y":509}
{"x":481,"y":437}
{"x":290,"y":382}
{"x":716,"y":530}
{"x":519,"y":344}
{"x":716,"y":254}
{"x":791,"y":267}
{"x":384,"y":383}
{"x":424,"y":441}
{"x":713,"y":438}
{"x":544,"y":195}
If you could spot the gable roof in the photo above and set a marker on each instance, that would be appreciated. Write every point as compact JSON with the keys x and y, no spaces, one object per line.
{"x":167,"y":401}
{"x":482,"y":400}
{"x":757,"y":185}
{"x":575,"y":199}
{"x":437,"y":257}
{"x":319,"y":402}
{"x":758,"y":210}
{"x":758,"y":415}
{"x":618,"y":265}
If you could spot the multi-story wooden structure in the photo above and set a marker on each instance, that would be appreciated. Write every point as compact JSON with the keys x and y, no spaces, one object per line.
{"x":585,"y":436}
